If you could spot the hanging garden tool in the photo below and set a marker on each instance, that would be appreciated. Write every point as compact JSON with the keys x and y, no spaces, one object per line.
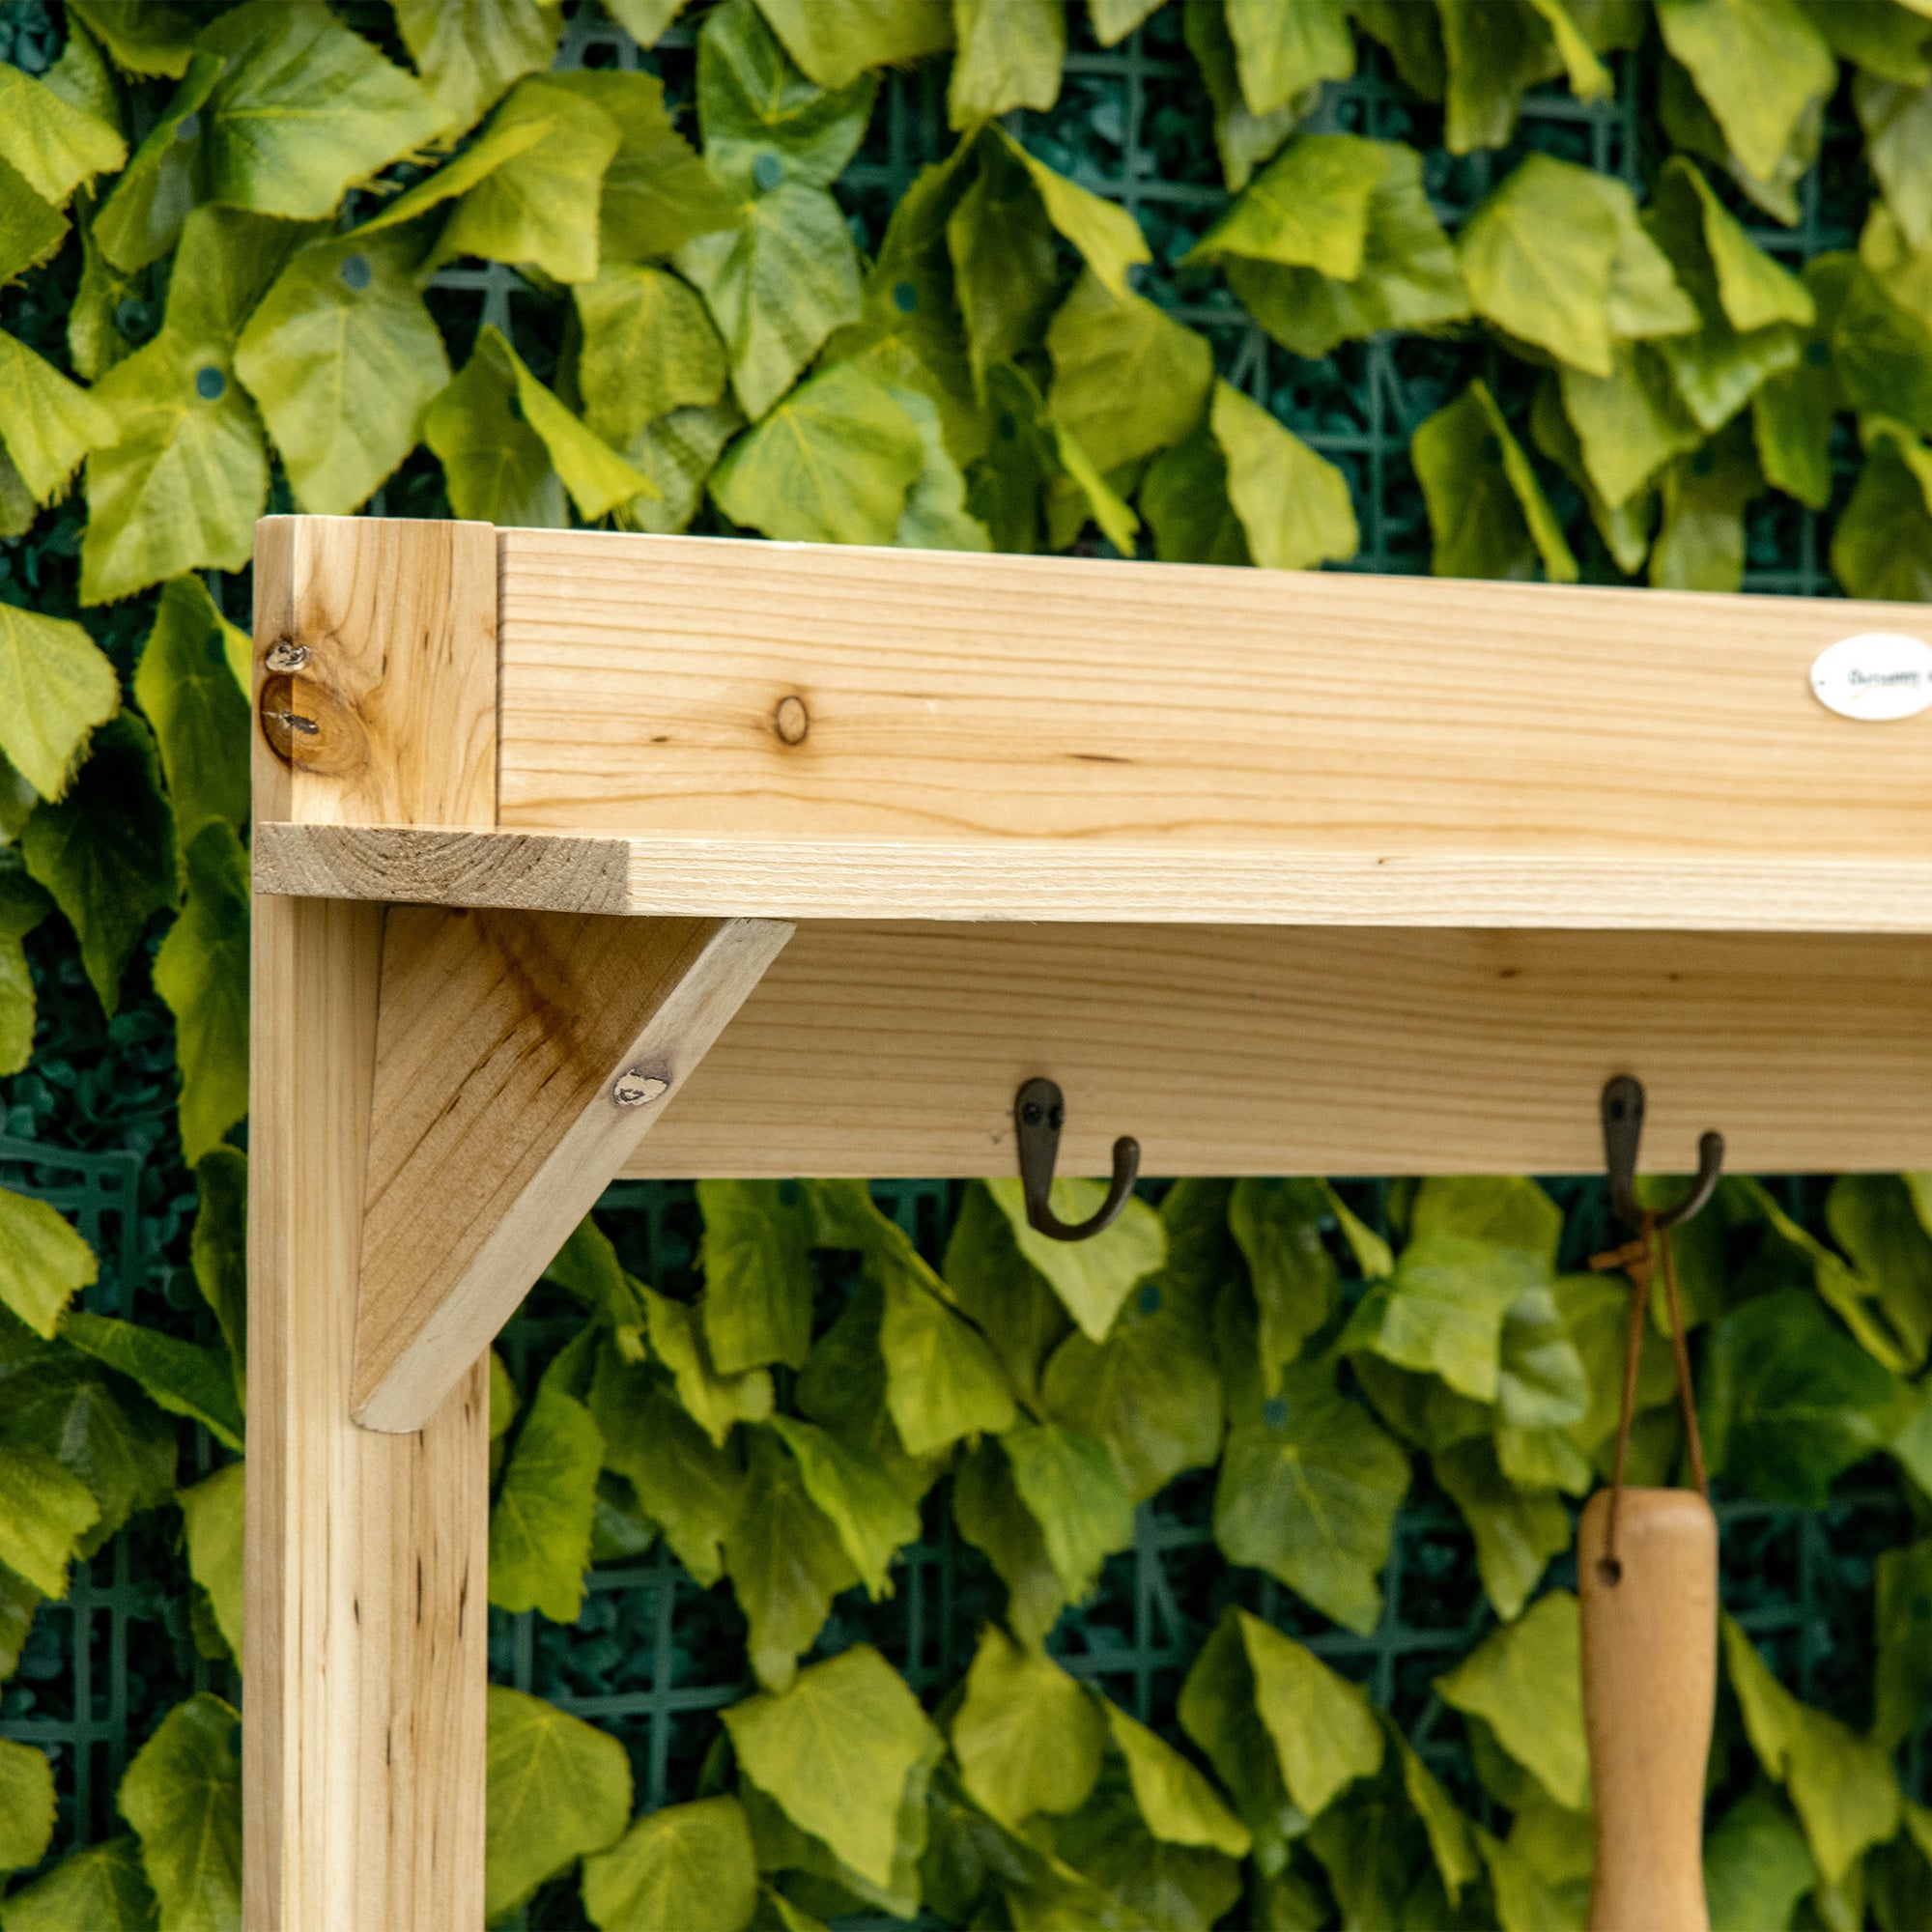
{"x":1647,"y":1567}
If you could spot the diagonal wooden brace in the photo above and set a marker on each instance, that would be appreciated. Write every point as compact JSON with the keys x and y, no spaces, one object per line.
{"x":520,"y":1058}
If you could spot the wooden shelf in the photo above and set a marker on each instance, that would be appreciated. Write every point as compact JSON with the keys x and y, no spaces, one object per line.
{"x":668,"y":875}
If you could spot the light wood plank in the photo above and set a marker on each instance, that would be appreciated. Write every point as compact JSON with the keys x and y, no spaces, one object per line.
{"x":374,"y":672}
{"x":367,"y":1555}
{"x":519,"y":1058}
{"x":665,"y":875}
{"x":958,"y":698}
{"x":896,"y":1049}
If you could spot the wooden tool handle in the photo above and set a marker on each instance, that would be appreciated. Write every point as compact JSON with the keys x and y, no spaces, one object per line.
{"x":1650,"y":1679}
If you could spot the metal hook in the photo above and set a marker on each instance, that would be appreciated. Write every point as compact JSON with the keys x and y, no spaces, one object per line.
{"x":1623,"y":1130}
{"x":1038,"y":1115}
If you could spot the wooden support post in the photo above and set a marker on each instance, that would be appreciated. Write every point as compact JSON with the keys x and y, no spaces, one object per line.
{"x":362,"y":1732}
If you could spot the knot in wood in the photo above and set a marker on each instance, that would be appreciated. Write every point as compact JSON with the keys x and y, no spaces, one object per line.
{"x":791,"y":720}
{"x":282,"y":723}
{"x":638,"y":1087}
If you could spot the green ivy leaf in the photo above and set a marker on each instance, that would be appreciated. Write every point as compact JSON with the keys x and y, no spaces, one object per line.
{"x":1517,"y":1530}
{"x":764,"y":121}
{"x":687,"y":1868}
{"x":645,"y":20}
{"x":1494,"y":50}
{"x":1027,"y":1736}
{"x":1283,"y":1731}
{"x":1700,"y":542}
{"x":1525,"y":1681}
{"x":1486,"y":511}
{"x":1308,"y":1491}
{"x":102,"y":1889}
{"x":686,"y":1483}
{"x":1902,"y":1624}
{"x":1092,"y":1278}
{"x":1791,"y":1402}
{"x":201,"y":971}
{"x":676,"y":455}
{"x":872,"y":1518}
{"x":1186,"y":502}
{"x":1541,"y":1382}
{"x":183,"y":1377}
{"x":1793,"y":412}
{"x":1882,"y":546}
{"x":1758,"y":63}
{"x":835,"y":40}
{"x":1280,"y":51}
{"x":991,"y":1516}
{"x":1104,"y":235}
{"x":1127,"y":380}
{"x":343,"y":357}
{"x":1882,"y":352}
{"x":649,"y":348}
{"x":143,"y":39}
{"x":23,"y":907}
{"x":786,"y":1562}
{"x":1886,"y":41}
{"x":468,"y":54}
{"x":52,"y":144}
{"x":586,"y":1267}
{"x":1009,"y":55}
{"x":1245,"y":139}
{"x":843,"y":1388}
{"x":757,"y":1273}
{"x":836,"y":1752}
{"x":56,"y":685}
{"x":935,"y":516}
{"x":1277,"y":1225}
{"x":18,"y":1600}
{"x":186,"y":687}
{"x":302,"y":108}
{"x":1756,"y":1865}
{"x":212,"y":1516}
{"x":1137,"y":1875}
{"x":47,"y":423}
{"x":31,"y":229}
{"x":1310,"y":208}
{"x":44,"y":1512}
{"x":540,"y":1525}
{"x":1896,"y":119}
{"x":106,"y":851}
{"x":1628,"y":424}
{"x":540,"y":205}
{"x":1875,"y":1219}
{"x":1450,"y":1844}
{"x":776,"y":283}
{"x":1002,"y":250}
{"x":558,"y":1789}
{"x":942,"y":1380}
{"x":1843,"y":1786}
{"x":141,"y":219}
{"x":183,"y":1796}
{"x":715,"y":1399}
{"x":26,"y":1805}
{"x":832,"y":463}
{"x":1294,"y":505}
{"x":122,"y":1447}
{"x":1069,"y":1485}
{"x":1151,"y":1393}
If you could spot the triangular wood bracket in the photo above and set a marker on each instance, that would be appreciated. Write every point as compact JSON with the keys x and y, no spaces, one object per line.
{"x":519,"y":1058}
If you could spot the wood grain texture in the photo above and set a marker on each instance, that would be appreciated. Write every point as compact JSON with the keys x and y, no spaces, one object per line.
{"x":519,"y":1058}
{"x":374,"y":672}
{"x":367,"y":1555}
{"x":1650,"y":1686}
{"x":668,"y":875}
{"x":960,"y":698}
{"x":876,"y":1049}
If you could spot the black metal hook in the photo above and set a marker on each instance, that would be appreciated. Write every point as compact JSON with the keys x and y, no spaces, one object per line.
{"x":1622,"y":1131}
{"x":1038,"y":1115}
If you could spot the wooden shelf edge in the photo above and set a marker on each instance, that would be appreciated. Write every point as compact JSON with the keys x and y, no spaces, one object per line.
{"x":665,"y":875}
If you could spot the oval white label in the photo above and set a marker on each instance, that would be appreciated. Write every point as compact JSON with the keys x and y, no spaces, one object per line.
{"x":1877,"y":675}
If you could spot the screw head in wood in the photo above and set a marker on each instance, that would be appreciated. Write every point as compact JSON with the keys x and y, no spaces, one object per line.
{"x":638,"y":1087}
{"x":791,"y":720}
{"x":287,"y":655}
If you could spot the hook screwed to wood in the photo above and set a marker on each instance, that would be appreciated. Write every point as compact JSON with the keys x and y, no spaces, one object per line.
{"x":1623,"y":1135}
{"x":1038,"y":1115}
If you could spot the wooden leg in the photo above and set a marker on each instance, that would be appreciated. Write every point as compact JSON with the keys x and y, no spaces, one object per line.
{"x":368,"y":1554}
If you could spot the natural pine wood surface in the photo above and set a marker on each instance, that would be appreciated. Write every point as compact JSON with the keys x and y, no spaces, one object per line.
{"x":666,"y":875}
{"x":374,"y":672}
{"x":367,"y":1555}
{"x":874,"y":1049}
{"x":1650,"y":1684}
{"x":956,"y":697}
{"x":519,"y":1058}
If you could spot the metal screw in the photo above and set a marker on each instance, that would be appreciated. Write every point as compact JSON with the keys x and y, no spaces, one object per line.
{"x":791,"y":720}
{"x":287,"y":655}
{"x":636,"y":1088}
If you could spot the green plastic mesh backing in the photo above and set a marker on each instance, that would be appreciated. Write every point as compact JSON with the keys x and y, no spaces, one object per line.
{"x":653,"y":1656}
